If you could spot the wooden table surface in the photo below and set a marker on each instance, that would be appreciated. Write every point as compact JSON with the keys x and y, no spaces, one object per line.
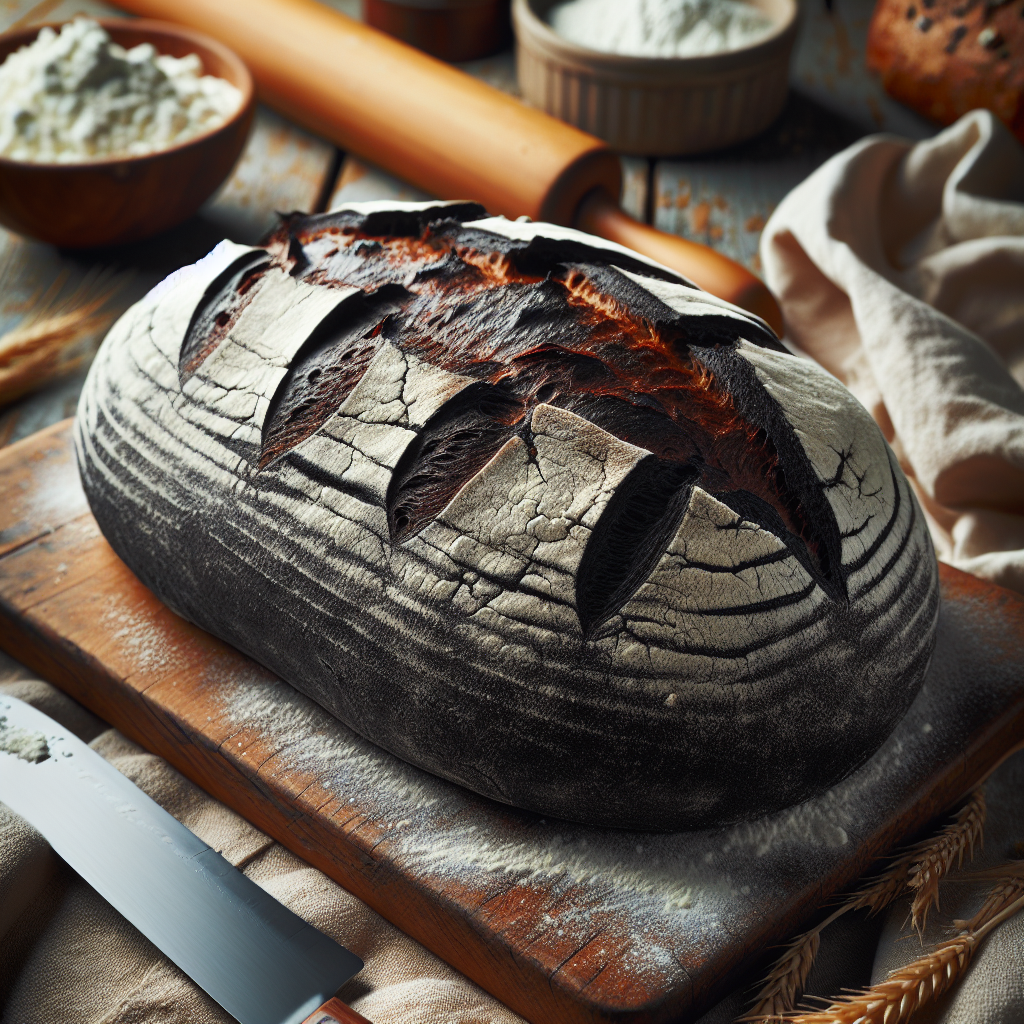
{"x":722,"y":199}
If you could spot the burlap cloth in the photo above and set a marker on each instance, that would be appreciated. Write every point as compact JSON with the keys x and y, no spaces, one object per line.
{"x":901,"y":269}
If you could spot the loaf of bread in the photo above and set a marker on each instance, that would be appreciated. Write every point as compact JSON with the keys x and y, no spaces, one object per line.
{"x":521,"y":507}
{"x":946,"y":57}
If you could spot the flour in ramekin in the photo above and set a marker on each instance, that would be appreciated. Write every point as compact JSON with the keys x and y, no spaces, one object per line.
{"x":76,"y":96}
{"x":660,"y":28}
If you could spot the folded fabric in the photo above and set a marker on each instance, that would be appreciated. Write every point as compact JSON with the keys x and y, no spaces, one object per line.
{"x":66,"y":955}
{"x":900,"y":268}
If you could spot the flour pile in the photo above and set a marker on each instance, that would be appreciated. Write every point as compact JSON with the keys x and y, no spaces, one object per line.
{"x":660,"y":28}
{"x":29,"y":746}
{"x":77,"y":96}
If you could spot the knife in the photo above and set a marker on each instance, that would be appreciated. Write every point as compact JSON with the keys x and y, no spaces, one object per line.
{"x":258,"y":960}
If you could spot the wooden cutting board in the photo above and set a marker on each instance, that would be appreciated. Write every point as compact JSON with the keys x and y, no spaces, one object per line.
{"x":562,"y":922}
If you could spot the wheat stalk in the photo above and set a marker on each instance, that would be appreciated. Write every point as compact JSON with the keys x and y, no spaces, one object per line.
{"x":926,"y":862}
{"x":878,"y":892}
{"x":1011,"y":877}
{"x":939,"y":854}
{"x":896,"y":999}
{"x":785,"y":984}
{"x":49,"y":341}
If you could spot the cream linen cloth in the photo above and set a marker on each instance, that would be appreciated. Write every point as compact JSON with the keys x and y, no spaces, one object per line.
{"x":67,"y":956}
{"x":900,"y":268}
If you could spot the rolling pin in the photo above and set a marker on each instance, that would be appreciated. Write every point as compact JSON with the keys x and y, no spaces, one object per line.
{"x":442,"y":130}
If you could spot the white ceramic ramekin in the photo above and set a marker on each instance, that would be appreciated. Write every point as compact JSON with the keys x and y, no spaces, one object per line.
{"x":656,"y":106}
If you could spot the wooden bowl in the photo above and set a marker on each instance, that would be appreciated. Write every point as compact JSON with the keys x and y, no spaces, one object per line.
{"x":656,"y":106}
{"x":453,"y":30}
{"x":123,"y":199}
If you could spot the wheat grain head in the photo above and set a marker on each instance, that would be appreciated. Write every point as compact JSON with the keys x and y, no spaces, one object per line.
{"x":938,"y":855}
{"x":785,"y":983}
{"x":895,"y":1000}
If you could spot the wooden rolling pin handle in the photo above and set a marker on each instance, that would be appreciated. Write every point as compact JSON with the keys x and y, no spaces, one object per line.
{"x":334,"y":1011}
{"x":600,"y":215}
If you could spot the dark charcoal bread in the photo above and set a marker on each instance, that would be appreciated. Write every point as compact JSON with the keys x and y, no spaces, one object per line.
{"x":521,"y":507}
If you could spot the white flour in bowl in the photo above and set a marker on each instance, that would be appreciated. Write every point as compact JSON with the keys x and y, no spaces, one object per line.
{"x":660,"y":28}
{"x":77,"y":96}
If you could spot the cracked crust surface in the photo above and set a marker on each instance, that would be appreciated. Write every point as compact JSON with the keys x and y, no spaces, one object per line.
{"x":520,"y":507}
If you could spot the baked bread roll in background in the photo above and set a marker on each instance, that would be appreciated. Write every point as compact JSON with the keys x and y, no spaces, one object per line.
{"x":520,"y":506}
{"x":944,"y":58}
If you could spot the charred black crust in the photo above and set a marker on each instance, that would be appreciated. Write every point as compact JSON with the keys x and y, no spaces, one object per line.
{"x":519,"y":322}
{"x":455,"y":444}
{"x":630,"y":537}
{"x":325,"y":369}
{"x":394,"y":223}
{"x":541,"y":256}
{"x":220,"y":296}
{"x":800,"y":479}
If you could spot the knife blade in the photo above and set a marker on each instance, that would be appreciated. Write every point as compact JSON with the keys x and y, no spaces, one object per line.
{"x":259,"y":961}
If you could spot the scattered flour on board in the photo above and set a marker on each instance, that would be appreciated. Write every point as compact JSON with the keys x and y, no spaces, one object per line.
{"x":593,"y":875}
{"x":142,"y":643}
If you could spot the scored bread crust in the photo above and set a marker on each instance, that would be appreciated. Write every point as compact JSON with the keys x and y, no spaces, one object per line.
{"x":520,"y":506}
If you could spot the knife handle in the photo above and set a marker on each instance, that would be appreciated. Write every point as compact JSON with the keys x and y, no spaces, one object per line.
{"x":334,"y":1011}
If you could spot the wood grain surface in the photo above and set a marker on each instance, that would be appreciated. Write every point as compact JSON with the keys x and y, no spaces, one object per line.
{"x":562,"y":922}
